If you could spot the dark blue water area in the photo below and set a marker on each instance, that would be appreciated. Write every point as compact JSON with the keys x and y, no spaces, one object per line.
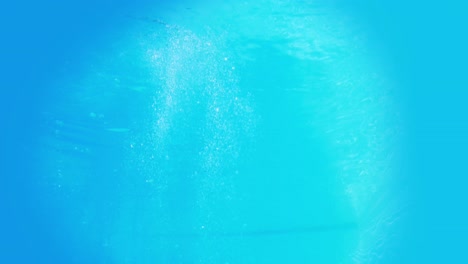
{"x":43,"y":46}
{"x":38,"y":40}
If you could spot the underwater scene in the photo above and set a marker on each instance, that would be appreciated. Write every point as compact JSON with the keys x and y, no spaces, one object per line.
{"x":262,"y":131}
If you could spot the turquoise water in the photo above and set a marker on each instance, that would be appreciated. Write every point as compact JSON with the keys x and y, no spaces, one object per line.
{"x":223,"y":132}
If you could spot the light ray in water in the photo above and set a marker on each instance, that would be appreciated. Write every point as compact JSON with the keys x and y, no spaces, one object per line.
{"x":265,"y":232}
{"x":118,"y":129}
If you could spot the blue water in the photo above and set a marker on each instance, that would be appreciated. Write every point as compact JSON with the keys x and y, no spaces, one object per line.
{"x":230,"y":132}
